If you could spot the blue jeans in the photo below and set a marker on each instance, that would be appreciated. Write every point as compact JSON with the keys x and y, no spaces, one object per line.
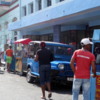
{"x":85,"y":83}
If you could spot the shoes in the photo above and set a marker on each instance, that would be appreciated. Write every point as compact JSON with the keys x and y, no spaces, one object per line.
{"x":49,"y":95}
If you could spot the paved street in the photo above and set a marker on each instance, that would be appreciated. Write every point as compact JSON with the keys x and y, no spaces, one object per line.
{"x":15,"y":87}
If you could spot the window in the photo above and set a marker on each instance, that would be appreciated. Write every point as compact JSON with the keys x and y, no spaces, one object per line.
{"x":61,"y":0}
{"x":72,"y":37}
{"x":24,"y":11}
{"x":97,"y":52}
{"x":48,"y":3}
{"x":60,"y":50}
{"x":47,"y":37}
{"x":39,"y":5}
{"x":30,"y":8}
{"x":15,"y":35}
{"x":14,"y":19}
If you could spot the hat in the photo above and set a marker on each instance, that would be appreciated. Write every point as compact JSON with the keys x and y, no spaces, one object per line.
{"x":86,"y":41}
{"x":9,"y":45}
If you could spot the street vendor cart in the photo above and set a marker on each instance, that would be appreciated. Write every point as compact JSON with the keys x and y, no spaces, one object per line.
{"x":21,"y":54}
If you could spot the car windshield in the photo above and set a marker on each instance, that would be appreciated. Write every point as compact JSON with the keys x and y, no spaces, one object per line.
{"x":60,"y":50}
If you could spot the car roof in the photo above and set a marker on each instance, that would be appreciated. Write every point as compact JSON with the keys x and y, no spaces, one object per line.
{"x":49,"y":42}
{"x":96,"y":41}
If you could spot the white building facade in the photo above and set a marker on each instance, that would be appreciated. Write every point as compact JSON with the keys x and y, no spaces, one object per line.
{"x":66,"y":21}
{"x":9,"y":12}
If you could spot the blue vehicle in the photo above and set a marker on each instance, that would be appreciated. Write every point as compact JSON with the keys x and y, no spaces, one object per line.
{"x":96,"y":48}
{"x":96,"y":51}
{"x":60,"y":67}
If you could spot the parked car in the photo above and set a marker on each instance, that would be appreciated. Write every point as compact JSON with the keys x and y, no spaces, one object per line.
{"x":60,"y":67}
{"x":94,"y":86}
{"x":96,"y":48}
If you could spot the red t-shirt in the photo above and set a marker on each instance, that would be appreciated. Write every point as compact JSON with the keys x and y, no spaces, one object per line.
{"x":9,"y":52}
{"x":83,"y":61}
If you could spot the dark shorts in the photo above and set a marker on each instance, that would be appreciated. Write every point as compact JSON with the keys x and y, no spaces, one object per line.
{"x":44,"y":71}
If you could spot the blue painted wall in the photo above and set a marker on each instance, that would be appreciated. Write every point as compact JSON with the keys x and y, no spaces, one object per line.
{"x":5,"y":34}
{"x":60,"y":13}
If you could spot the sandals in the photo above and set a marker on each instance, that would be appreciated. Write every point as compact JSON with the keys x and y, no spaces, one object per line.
{"x":43,"y":98}
{"x":49,"y":95}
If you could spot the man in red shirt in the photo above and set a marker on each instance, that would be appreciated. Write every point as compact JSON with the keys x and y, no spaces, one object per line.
{"x":9,"y":54}
{"x":83,"y":59}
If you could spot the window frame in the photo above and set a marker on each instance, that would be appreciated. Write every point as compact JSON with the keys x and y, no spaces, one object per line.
{"x":24,"y":11}
{"x":31,"y":8}
{"x":39,"y":4}
{"x":62,"y":0}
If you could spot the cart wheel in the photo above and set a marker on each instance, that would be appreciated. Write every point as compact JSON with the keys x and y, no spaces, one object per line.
{"x":29,"y":77}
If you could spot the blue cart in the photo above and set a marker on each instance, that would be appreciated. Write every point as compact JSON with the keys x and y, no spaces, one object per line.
{"x":95,"y":82}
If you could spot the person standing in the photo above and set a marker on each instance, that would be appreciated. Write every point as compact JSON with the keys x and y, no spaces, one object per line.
{"x":44,"y":56}
{"x":9,"y":54}
{"x":84,"y":59}
{"x":0,"y":58}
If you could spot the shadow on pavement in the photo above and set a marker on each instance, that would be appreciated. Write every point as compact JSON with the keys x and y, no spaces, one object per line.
{"x":62,"y":89}
{"x":58,"y":88}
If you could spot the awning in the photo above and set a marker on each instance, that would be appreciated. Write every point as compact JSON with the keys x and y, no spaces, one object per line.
{"x":23,"y":41}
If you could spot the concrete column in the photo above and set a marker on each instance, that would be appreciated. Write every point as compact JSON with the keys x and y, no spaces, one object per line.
{"x":55,"y":1}
{"x":35,"y":5}
{"x":19,"y":36}
{"x":20,"y":9}
{"x":27,"y":10}
{"x":56,"y":34}
{"x":44,"y":4}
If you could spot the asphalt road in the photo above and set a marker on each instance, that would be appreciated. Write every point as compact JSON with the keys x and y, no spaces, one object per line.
{"x":15,"y":87}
